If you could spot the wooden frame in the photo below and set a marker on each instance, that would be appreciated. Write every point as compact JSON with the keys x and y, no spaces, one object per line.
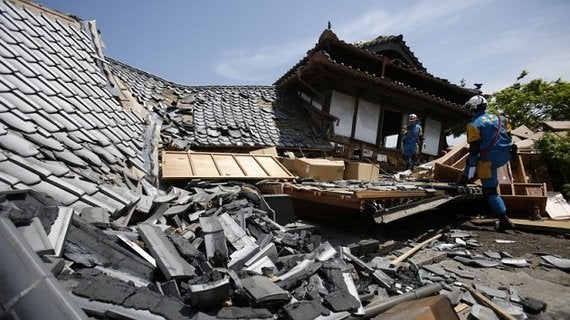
{"x":180,"y":165}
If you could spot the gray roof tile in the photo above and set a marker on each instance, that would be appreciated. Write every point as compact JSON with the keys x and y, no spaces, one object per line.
{"x":89,"y":156}
{"x":82,"y":136}
{"x":28,"y":165}
{"x":67,"y":141}
{"x":65,"y":185}
{"x":70,"y":158}
{"x":18,"y":121}
{"x":25,"y":176}
{"x":115,"y":151}
{"x":104,"y":154}
{"x":45,"y":141}
{"x":42,"y":119}
{"x":42,"y":100}
{"x":109,"y":203}
{"x":109,"y":132}
{"x":59,"y":169}
{"x":8,"y":178}
{"x":18,"y":145}
{"x":64,"y":121}
{"x":59,"y":194}
{"x":88,"y":187}
{"x":122,"y":197}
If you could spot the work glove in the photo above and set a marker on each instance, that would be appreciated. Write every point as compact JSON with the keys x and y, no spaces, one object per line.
{"x":471,"y":173}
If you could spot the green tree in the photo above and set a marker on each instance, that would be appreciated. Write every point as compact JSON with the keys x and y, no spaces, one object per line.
{"x":532,"y":103}
{"x":555,"y":153}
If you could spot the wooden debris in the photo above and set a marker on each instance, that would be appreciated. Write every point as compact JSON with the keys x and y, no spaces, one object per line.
{"x":413,"y":250}
{"x":503,"y":314}
{"x":552,"y":226}
{"x":191,"y":165}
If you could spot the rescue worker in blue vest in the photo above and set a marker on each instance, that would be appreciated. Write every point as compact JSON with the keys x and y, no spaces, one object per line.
{"x":413,"y":139}
{"x":490,"y":144}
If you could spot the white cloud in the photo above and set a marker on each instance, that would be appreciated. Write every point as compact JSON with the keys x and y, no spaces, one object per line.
{"x":458,"y":49}
{"x":253,"y":64}
{"x":380,"y":22}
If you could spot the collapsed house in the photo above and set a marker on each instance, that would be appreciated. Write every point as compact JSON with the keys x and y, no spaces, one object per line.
{"x":84,"y":208}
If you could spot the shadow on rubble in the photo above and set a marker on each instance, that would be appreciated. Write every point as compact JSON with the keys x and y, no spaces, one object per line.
{"x":343,"y":226}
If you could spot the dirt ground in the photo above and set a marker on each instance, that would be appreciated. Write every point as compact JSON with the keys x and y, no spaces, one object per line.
{"x":547,"y":284}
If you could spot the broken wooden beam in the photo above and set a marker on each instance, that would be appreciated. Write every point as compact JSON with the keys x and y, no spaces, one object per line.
{"x":499,"y":310}
{"x":413,"y":250}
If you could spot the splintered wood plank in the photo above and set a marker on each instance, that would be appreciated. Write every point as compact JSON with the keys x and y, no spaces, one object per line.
{"x":203,"y":165}
{"x":554,"y":226}
{"x":453,"y":155}
{"x":446,"y":173}
{"x":228,"y":166}
{"x":250,"y":166}
{"x":176,"y":165}
{"x":271,"y":165}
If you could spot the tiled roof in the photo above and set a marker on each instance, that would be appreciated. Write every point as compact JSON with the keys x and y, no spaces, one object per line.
{"x":328,"y":37}
{"x":399,"y":39}
{"x":62,"y":131}
{"x":221,"y":116}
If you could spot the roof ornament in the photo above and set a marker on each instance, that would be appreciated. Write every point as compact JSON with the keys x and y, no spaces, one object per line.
{"x":329,"y":26}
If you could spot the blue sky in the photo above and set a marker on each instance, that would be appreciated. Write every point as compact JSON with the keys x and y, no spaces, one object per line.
{"x":253,"y":42}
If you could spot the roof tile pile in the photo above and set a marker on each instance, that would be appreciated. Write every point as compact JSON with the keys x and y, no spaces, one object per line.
{"x":222,"y":116}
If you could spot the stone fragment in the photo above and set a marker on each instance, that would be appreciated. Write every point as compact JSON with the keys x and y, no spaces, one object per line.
{"x":532,"y":305}
{"x":491,"y":291}
{"x":341,"y":300}
{"x":305,"y":310}
{"x":209,"y":295}
{"x":479,"y":312}
{"x":264,"y":292}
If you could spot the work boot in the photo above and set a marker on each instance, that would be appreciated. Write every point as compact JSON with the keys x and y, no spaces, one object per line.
{"x":504,"y":224}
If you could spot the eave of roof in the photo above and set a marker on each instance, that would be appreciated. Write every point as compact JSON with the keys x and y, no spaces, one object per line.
{"x":321,"y":59}
{"x":329,"y":36}
{"x":397,"y":39}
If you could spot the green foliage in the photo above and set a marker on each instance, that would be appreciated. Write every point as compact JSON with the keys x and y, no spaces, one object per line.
{"x":532,"y":103}
{"x":555,"y":153}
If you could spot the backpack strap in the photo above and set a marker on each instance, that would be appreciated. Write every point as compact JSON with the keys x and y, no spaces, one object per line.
{"x":483,"y":153}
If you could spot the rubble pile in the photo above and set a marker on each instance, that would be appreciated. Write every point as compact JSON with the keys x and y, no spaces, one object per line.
{"x":215,"y":250}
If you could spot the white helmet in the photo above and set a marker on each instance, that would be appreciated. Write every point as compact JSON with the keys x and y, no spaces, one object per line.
{"x":476,"y":103}
{"x":412,"y":117}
